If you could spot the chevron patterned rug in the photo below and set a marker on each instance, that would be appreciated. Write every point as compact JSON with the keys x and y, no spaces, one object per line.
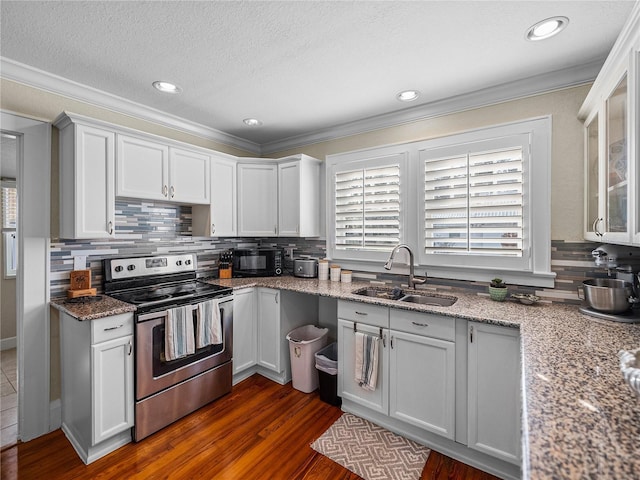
{"x":371,"y":451}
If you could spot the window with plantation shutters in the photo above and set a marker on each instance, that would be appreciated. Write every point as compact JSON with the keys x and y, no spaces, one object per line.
{"x":367,"y":208}
{"x":473,"y":203}
{"x":9,"y":225}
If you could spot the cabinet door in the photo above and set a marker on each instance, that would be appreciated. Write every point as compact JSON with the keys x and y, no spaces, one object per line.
{"x":94,"y":203}
{"x":616,"y":171}
{"x":257,"y":200}
{"x":289,"y":199}
{"x":188,"y":176}
{"x":142,"y":169}
{"x":244,"y":330}
{"x":494,"y":423}
{"x":422,"y":382}
{"x":223,"y":198}
{"x":348,"y":388}
{"x":593,"y":221}
{"x":269,"y":339}
{"x":112,"y":382}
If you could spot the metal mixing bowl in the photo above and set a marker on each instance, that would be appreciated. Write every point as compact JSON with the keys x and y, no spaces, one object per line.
{"x":607,"y":294}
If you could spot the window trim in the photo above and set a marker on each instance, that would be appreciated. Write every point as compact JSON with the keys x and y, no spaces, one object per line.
{"x":7,"y":251}
{"x":539,"y":274}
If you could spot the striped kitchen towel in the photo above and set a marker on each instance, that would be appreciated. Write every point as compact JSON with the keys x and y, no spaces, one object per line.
{"x":209,"y":325}
{"x":178,"y":333}
{"x":366,"y":373}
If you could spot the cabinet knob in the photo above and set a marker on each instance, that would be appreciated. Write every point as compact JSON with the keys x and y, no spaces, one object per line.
{"x":164,"y":190}
{"x":213,"y":228}
{"x":173,"y":191}
{"x":110,"y":227}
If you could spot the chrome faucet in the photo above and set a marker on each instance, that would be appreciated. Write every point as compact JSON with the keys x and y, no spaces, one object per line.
{"x":413,"y":281}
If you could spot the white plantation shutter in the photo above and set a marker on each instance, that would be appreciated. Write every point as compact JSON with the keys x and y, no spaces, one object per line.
{"x":473,"y":201}
{"x":367,"y":208}
{"x":9,"y":207}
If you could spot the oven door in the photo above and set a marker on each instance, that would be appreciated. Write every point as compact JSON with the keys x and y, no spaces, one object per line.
{"x":154,"y":374}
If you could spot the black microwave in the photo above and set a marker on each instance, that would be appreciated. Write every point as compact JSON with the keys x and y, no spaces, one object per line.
{"x":257,"y":262}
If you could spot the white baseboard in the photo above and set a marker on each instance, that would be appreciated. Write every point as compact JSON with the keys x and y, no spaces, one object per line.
{"x":55,"y":415}
{"x":8,"y":343}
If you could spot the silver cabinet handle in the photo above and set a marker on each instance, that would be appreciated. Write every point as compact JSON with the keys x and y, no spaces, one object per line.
{"x":164,"y":190}
{"x":213,"y":228}
{"x":130,"y":348}
{"x":595,"y":227}
{"x":275,"y":229}
{"x":173,"y":191}
{"x":384,"y":341}
{"x":361,"y":313}
{"x":420,"y":324}
{"x":276,"y":297}
{"x":110,"y":227}
{"x":113,"y":328}
{"x":471,"y":334}
{"x":391,"y":341}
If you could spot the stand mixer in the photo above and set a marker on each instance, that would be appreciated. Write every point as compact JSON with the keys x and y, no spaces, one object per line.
{"x":623,"y":264}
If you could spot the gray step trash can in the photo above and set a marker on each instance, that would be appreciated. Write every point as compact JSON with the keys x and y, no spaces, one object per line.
{"x":327,"y":366}
{"x":304,"y":342}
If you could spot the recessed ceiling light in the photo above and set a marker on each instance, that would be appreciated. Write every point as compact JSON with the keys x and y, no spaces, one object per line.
{"x":546,"y":28}
{"x":408,"y":95}
{"x":166,"y":87}
{"x":252,"y":122}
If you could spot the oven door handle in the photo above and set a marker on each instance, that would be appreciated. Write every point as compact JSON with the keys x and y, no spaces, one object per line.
{"x":162,"y":313}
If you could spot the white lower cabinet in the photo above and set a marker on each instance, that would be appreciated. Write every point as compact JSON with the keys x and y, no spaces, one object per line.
{"x":422,"y":382}
{"x":494,"y":416}
{"x":269,"y":329}
{"x":245,"y":327}
{"x":97,"y":383}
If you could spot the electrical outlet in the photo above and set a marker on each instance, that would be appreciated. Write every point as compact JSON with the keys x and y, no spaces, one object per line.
{"x":79,"y":262}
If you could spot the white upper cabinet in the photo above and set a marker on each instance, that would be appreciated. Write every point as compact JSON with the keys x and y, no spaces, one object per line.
{"x":299,"y":197}
{"x":87,"y":177}
{"x":611,"y":115}
{"x":219,"y":218}
{"x":258,"y":199}
{"x":188,"y":176}
{"x":143,"y":169}
{"x":156,"y":171}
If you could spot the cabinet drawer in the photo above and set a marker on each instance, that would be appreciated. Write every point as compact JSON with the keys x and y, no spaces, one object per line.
{"x":425,"y":324}
{"x":364,"y":313}
{"x":107,"y":328}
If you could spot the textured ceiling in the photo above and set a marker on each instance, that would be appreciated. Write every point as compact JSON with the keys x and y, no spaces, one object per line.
{"x":299,"y":66}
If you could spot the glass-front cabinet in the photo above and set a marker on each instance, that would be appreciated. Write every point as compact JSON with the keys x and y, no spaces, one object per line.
{"x":611,"y":114}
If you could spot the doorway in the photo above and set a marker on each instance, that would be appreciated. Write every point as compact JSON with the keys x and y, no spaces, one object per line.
{"x":8,"y":292}
{"x":32,"y":278}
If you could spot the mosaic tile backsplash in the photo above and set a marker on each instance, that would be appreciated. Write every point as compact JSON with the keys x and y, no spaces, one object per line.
{"x":144,"y":228}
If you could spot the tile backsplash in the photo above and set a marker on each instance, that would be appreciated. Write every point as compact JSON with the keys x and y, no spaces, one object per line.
{"x":144,"y":228}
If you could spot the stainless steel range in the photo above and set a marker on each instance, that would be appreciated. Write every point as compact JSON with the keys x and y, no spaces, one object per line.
{"x":164,"y":288}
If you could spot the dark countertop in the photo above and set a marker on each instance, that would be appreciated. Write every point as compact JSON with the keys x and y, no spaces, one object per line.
{"x":580,"y":420}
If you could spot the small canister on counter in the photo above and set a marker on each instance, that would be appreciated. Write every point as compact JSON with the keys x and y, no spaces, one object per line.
{"x":323,"y":269}
{"x":335,"y":273}
{"x":345,"y":276}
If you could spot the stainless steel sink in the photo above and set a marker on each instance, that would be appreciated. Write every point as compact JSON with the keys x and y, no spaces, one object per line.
{"x":400,"y":296}
{"x":429,"y":300}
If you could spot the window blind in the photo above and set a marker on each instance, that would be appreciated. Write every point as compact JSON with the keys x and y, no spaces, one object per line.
{"x":474,"y":203}
{"x":367,"y":208}
{"x":9,"y":207}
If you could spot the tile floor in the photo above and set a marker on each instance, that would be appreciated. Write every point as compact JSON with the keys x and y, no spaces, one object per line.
{"x":8,"y":397}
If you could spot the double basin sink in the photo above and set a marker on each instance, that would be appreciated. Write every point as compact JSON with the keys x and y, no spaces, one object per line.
{"x":399,"y":295}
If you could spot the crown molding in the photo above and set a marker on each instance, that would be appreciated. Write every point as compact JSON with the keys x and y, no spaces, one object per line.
{"x":538,"y":84}
{"x":33,"y":77}
{"x":535,"y":85}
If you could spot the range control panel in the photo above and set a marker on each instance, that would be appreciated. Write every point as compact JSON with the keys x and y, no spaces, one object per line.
{"x":123,"y":268}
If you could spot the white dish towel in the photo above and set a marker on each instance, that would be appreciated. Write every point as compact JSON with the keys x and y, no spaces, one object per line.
{"x":366,"y":368}
{"x":209,"y":326}
{"x":178,"y":333}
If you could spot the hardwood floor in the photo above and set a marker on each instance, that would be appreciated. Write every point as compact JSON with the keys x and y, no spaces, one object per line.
{"x":261,"y":430}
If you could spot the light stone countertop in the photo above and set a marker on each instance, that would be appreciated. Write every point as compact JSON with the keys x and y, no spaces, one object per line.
{"x":580,"y":420}
{"x":92,"y":310}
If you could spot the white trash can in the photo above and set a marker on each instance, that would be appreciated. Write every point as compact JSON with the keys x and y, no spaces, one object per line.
{"x":304,"y":342}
